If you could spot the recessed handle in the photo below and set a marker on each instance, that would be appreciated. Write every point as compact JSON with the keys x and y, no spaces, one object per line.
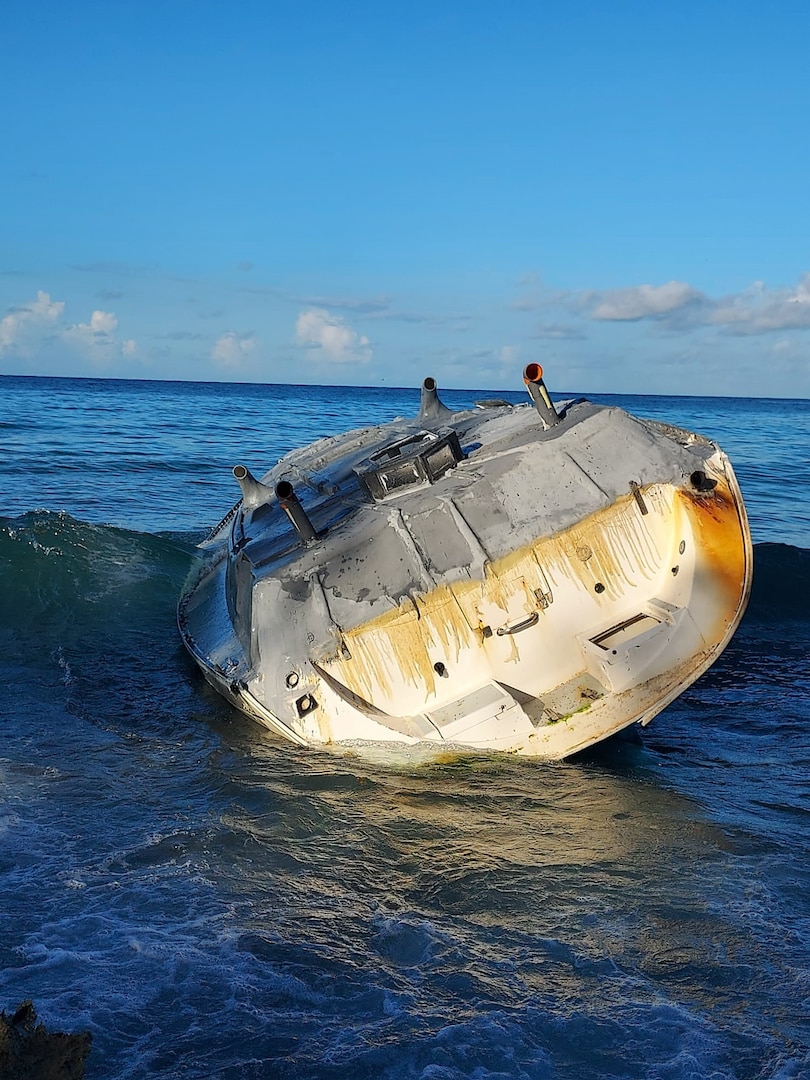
{"x":515,"y":628}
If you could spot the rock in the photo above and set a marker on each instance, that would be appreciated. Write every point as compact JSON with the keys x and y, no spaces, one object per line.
{"x":29,"y":1052}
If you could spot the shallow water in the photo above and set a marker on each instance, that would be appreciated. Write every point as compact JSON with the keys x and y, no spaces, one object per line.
{"x":210,"y":902}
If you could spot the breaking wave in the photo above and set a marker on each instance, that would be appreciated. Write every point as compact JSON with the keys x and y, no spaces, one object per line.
{"x":56,"y":571}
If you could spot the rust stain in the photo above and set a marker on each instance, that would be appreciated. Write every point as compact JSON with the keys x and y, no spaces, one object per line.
{"x":715,"y":522}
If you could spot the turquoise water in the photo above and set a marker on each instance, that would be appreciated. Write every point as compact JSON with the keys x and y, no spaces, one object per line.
{"x":210,"y":902}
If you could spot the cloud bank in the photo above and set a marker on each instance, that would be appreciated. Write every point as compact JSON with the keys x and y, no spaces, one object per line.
{"x":28,"y":330}
{"x":642,"y":302}
{"x":755,"y":310}
{"x":760,"y":310}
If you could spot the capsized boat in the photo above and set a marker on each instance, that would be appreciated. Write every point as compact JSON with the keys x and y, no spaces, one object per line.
{"x":530,"y":578}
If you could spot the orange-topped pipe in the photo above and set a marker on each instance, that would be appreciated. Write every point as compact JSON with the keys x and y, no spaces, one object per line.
{"x":533,"y":377}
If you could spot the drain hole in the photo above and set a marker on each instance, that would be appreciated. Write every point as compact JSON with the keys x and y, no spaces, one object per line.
{"x":306,"y":704}
{"x":440,"y":669}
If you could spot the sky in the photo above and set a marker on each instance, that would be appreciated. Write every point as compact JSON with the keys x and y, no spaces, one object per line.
{"x":367,"y":193}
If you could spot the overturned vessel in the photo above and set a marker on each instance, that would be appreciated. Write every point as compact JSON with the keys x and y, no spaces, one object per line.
{"x":530,"y":578}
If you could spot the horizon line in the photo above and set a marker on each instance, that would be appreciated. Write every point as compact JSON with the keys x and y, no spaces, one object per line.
{"x":415,"y":388}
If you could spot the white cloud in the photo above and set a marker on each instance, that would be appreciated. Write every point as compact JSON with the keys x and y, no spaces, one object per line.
{"x":101,"y":326}
{"x":232,"y":350}
{"x":23,"y":327}
{"x":759,"y":310}
{"x":755,"y":310}
{"x":318,"y":329}
{"x":96,"y":340}
{"x":30,"y":328}
{"x":37,"y":330}
{"x":642,"y":301}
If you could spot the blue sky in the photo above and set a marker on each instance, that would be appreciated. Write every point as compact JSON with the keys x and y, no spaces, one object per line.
{"x":366,"y":193}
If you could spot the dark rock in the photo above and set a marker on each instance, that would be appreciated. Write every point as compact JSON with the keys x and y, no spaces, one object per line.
{"x":29,"y":1052}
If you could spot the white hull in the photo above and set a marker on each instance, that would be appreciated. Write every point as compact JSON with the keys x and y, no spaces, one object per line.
{"x":602,"y":580}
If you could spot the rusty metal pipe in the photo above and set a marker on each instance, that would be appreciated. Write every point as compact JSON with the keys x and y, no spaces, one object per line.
{"x":533,"y":377}
{"x":289,"y":503}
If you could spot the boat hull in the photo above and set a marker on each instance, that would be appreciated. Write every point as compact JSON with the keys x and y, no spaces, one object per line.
{"x":537,"y":644}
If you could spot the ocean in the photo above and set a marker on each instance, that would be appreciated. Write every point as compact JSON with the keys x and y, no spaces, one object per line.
{"x":212,"y":903}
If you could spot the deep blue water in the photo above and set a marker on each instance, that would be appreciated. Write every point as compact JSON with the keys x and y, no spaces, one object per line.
{"x":210,"y":902}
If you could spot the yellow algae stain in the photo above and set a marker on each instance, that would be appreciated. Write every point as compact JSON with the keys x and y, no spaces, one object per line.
{"x":623,"y":548}
{"x":395,"y":648}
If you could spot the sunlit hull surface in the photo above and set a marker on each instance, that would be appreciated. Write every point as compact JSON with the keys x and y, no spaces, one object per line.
{"x":527,"y":588}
